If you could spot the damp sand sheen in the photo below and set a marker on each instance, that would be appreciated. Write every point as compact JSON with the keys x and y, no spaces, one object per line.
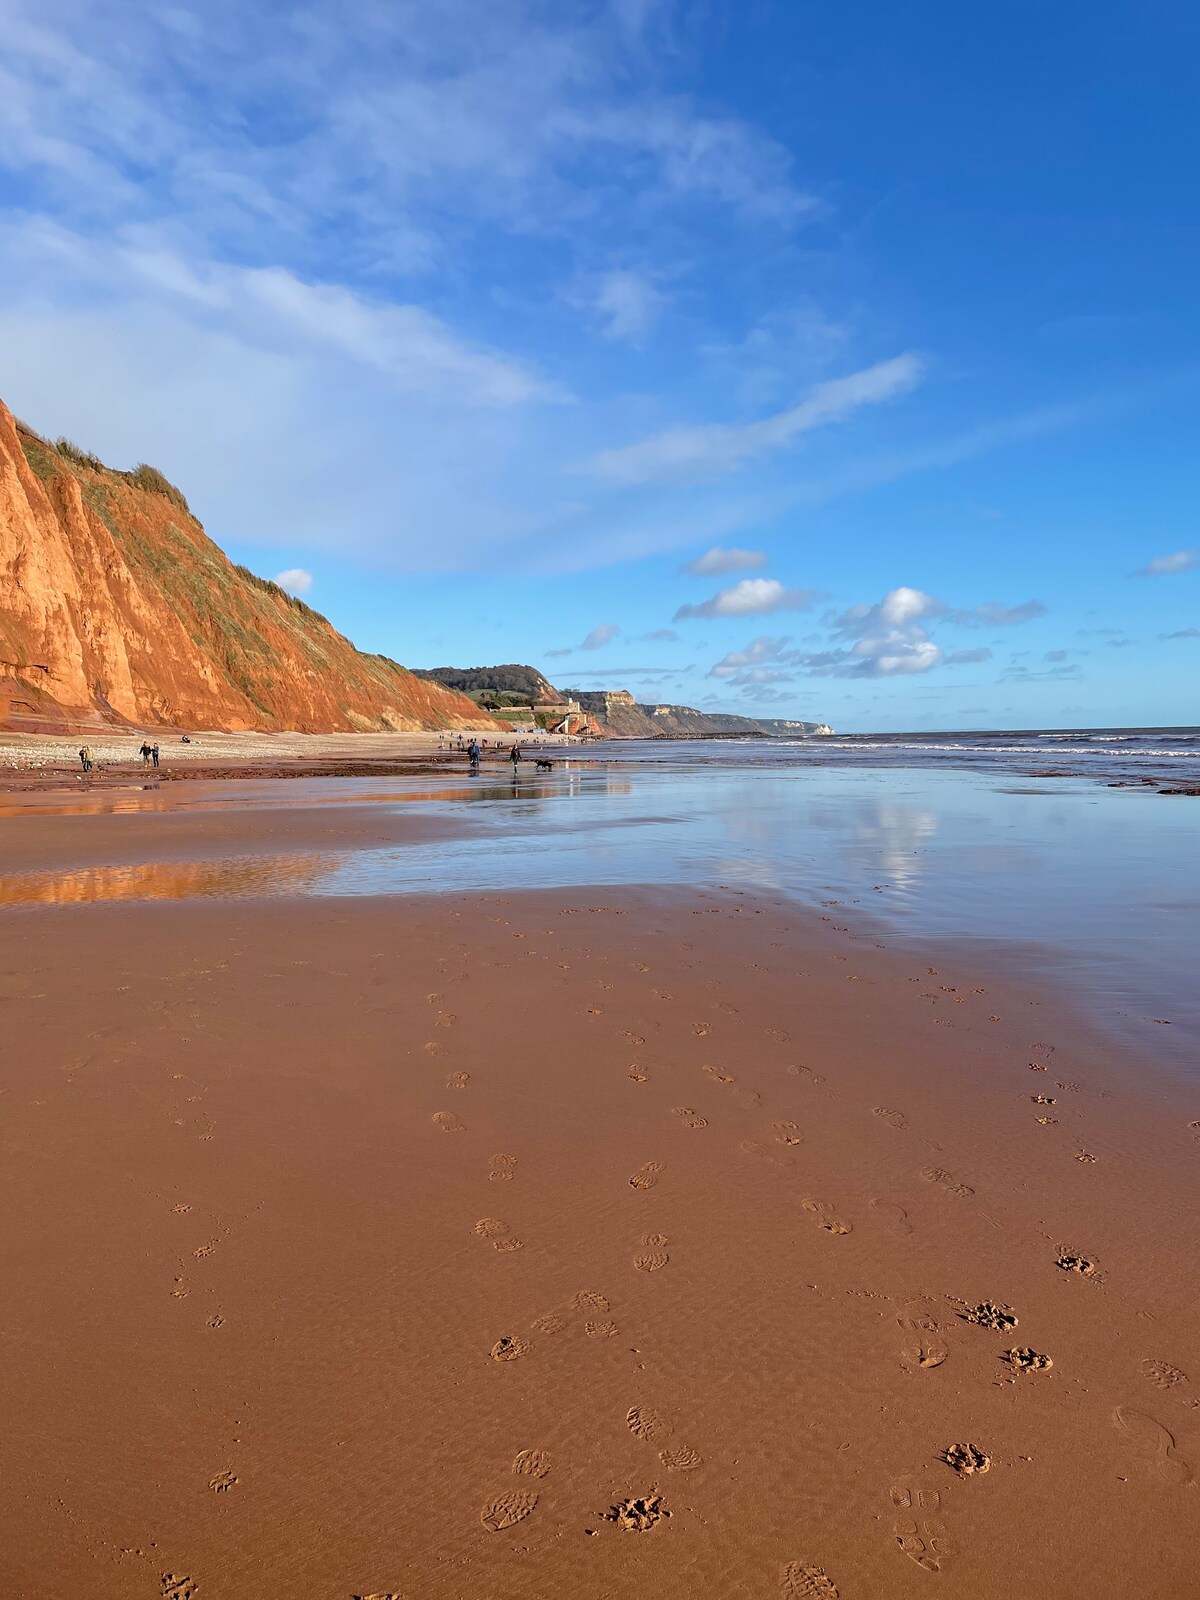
{"x":590,"y":1243}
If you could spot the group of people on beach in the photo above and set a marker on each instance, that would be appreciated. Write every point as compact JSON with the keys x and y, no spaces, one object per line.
{"x":147,"y":751}
{"x":474,"y":752}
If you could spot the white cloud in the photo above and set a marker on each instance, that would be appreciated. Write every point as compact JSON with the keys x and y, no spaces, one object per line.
{"x":716,"y":562}
{"x":1166,"y":566}
{"x":714,"y":449}
{"x":753,"y":597}
{"x":600,"y":636}
{"x":628,"y":304}
{"x":295,"y":580}
{"x":660,"y":636}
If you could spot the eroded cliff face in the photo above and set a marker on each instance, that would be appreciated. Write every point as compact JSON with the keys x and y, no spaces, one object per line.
{"x":115,"y":606}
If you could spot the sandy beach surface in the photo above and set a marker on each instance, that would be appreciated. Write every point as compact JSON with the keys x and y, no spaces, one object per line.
{"x":598,"y":1243}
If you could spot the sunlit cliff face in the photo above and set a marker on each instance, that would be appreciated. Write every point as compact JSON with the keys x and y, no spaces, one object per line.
{"x":115,"y":603}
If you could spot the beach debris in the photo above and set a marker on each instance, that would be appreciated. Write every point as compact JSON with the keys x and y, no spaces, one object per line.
{"x":508,"y":1348}
{"x":989,"y":1315}
{"x":638,"y":1513}
{"x":1083,"y":1265}
{"x":1022,"y":1359}
{"x":966,"y":1459}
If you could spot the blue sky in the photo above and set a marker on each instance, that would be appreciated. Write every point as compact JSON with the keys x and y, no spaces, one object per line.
{"x":806,"y":360}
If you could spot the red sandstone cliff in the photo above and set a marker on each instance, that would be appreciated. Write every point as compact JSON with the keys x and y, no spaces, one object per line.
{"x":116,"y":606}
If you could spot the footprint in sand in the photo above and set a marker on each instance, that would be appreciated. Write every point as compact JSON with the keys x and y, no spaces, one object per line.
{"x":447,"y":1122}
{"x":788,"y":1132}
{"x":701,"y":1029}
{"x":918,"y":1532}
{"x":633,"y":1038}
{"x":1024,"y":1359}
{"x":645,"y":1423}
{"x":966,"y":1459}
{"x":1085,"y":1156}
{"x":947,"y":1181}
{"x":926,"y":1354}
{"x":1162,"y":1374}
{"x":651,"y":1260}
{"x":802,"y":1580}
{"x":1155,"y":1444}
{"x":506,"y":1510}
{"x":717,"y":1074}
{"x":508,"y":1348}
{"x":548,"y":1322}
{"x":502,"y":1168}
{"x":893,"y":1119}
{"x":435,"y":1049}
{"x":1082,"y":1266}
{"x":498,"y":1234}
{"x":681,"y":1458}
{"x":174,"y":1588}
{"x":223,"y":1482}
{"x":808,"y":1075}
{"x":638,"y":1074}
{"x":894,"y":1214}
{"x":989,"y":1315}
{"x":600,"y":1330}
{"x":589,"y":1300}
{"x":638,"y":1513}
{"x":446,"y":1019}
{"x":822,"y":1210}
{"x":458,"y":1080}
{"x":646,"y":1175}
{"x":778,"y":1034}
{"x":531,"y":1463}
{"x":690,"y":1118}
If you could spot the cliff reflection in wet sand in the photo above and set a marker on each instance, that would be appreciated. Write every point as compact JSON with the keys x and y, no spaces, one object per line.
{"x":167,"y":880}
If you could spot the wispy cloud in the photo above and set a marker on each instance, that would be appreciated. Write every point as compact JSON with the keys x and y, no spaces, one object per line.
{"x":752,"y":597}
{"x":600,"y":636}
{"x":966,"y":658}
{"x":626,"y":303}
{"x":711,"y":450}
{"x":1167,"y":566}
{"x":1182,"y":633}
{"x":715,"y":563}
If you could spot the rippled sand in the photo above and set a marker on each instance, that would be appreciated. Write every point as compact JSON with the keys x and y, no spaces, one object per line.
{"x":597,"y":1243}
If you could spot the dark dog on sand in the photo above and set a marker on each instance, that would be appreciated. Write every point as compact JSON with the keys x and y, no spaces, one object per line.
{"x":543,"y":765}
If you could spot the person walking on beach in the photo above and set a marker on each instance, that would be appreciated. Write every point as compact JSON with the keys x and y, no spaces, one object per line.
{"x":144,"y":752}
{"x":514,"y":755}
{"x":85,"y":758}
{"x":473,"y":752}
{"x":154,"y":754}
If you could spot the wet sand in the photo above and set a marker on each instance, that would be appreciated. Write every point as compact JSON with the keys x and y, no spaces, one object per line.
{"x":594,"y":1243}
